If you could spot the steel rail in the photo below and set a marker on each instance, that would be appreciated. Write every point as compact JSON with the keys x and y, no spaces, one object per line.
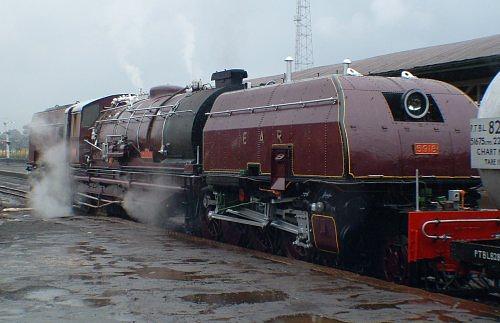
{"x":13,"y":191}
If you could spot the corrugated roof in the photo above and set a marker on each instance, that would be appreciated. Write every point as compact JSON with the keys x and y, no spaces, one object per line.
{"x":406,"y":60}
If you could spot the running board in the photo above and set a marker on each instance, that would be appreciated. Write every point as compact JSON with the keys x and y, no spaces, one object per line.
{"x":99,"y":201}
{"x":260,"y":224}
{"x":285,"y":226}
{"x":278,"y":224}
{"x":249,"y":214}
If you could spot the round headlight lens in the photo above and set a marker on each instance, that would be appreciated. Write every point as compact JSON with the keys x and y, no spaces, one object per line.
{"x":416,"y":104}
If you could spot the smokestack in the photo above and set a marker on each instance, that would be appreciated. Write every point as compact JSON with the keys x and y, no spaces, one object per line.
{"x":233,"y":78}
{"x":288,"y":75}
{"x":346,"y":64}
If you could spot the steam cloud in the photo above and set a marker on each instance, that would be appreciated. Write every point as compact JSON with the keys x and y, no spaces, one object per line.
{"x":189,"y":46}
{"x":51,"y":195}
{"x":156,"y":207}
{"x":125,"y":25}
{"x":133,"y":73}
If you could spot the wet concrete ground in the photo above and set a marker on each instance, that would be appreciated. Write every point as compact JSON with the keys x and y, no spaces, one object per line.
{"x":101,"y":269}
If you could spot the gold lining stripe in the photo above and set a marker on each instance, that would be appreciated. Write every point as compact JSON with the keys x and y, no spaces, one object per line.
{"x":381,"y":179}
{"x":339,"y":106}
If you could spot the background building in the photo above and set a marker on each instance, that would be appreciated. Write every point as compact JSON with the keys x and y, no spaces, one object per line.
{"x":470,"y":65}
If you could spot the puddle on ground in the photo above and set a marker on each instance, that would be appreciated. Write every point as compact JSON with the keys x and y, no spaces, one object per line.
{"x":195,"y":260}
{"x":95,"y":283}
{"x":81,"y":276}
{"x":335,"y":290}
{"x":97,"y":302}
{"x":238,"y":297}
{"x":11,"y":314}
{"x":84,"y":248}
{"x":132,"y":259}
{"x":441,"y":315}
{"x":302,"y":318}
{"x":111,"y":292}
{"x":165,"y":273}
{"x":42,"y":294}
{"x":261,"y":272}
{"x":379,"y":306}
{"x":272,"y":259}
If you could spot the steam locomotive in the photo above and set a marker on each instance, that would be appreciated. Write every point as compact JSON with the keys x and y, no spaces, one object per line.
{"x":362,"y":172}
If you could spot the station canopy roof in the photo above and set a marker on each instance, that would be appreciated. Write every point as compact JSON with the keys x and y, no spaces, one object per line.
{"x":481,"y":53}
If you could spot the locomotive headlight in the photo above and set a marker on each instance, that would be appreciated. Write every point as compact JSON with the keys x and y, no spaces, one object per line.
{"x":416,"y":104}
{"x":317,"y":207}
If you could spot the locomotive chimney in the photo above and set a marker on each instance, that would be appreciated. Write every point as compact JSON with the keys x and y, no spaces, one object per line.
{"x":346,"y":64}
{"x":288,"y":75}
{"x":233,"y":78}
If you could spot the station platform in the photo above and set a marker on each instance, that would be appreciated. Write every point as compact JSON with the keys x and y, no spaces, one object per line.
{"x":108,"y":269}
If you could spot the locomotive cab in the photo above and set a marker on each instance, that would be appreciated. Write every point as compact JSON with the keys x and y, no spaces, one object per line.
{"x":80,"y":118}
{"x":47,"y":129}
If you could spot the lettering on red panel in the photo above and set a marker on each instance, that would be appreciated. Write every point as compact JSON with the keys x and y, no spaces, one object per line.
{"x":147,"y":154}
{"x":426,"y":148}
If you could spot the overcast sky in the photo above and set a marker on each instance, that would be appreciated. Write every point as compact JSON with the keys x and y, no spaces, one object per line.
{"x":58,"y":51}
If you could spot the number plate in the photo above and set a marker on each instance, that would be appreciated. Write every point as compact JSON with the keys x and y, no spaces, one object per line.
{"x":426,"y":148}
{"x":485,"y":143}
{"x":146,"y":154}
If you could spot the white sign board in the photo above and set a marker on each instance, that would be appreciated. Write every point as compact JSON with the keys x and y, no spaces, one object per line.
{"x":485,"y":143}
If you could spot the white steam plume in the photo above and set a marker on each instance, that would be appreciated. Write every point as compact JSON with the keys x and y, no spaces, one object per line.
{"x":51,"y":194}
{"x":157,"y":207}
{"x":189,"y":46}
{"x":133,"y":73}
{"x":125,"y":22}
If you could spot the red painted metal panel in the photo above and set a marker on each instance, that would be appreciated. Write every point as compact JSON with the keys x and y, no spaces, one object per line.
{"x":47,"y":131}
{"x":437,"y":165}
{"x":421,"y":247}
{"x":374,"y":146}
{"x":325,"y":233}
{"x":231,"y":141}
{"x":457,"y":110}
{"x":378,"y":145}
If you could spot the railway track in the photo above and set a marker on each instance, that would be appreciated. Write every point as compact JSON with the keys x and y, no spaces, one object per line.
{"x":13,"y":191}
{"x":13,"y":183}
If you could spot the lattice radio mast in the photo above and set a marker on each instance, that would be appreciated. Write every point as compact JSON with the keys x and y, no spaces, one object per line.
{"x":303,"y":36}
